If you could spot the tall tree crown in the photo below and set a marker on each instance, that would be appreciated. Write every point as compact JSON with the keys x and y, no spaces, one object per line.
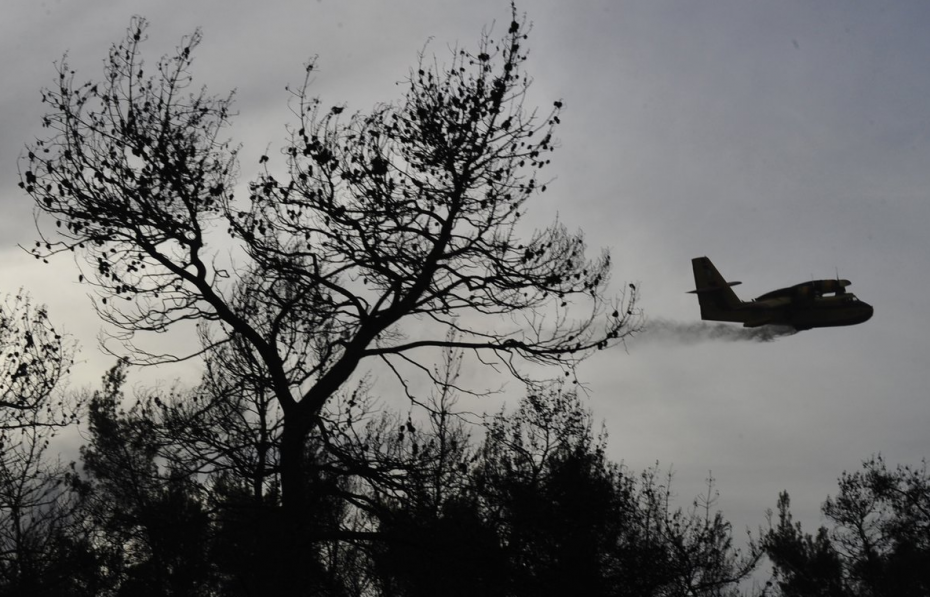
{"x":408,"y":210}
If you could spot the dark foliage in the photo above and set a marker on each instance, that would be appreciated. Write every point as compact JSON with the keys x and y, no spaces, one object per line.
{"x":877,"y":543}
{"x":541,"y":511}
{"x":40,"y":551}
{"x":150,"y":527}
{"x":533,"y":509}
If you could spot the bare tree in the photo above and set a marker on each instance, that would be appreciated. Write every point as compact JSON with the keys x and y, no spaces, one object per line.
{"x":407,"y":213}
{"x":34,"y":360}
{"x":36,"y":503}
{"x":230,"y":425}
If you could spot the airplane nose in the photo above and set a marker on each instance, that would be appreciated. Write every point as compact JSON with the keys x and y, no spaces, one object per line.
{"x":867,"y":311}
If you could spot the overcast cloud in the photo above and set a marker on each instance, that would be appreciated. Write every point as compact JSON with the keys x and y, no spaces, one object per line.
{"x":784,"y":140}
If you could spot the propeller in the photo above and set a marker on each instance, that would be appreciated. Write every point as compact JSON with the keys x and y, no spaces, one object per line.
{"x":840,"y":284}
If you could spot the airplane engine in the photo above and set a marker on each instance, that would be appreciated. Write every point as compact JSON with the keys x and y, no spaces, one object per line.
{"x":836,"y":286}
{"x":821,"y":287}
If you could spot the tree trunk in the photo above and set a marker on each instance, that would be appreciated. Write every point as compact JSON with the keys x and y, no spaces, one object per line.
{"x":295,"y":528}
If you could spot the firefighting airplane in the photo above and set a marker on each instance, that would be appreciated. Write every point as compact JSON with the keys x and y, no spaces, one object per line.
{"x":802,"y":306}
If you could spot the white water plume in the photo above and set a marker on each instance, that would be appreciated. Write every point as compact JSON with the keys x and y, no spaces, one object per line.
{"x":690,"y":333}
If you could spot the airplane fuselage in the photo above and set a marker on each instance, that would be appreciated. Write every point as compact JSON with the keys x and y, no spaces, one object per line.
{"x":818,"y":303}
{"x":816,"y":312}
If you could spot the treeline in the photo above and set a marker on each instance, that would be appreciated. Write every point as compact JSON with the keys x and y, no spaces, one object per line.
{"x":178,"y":493}
{"x":876,"y":542}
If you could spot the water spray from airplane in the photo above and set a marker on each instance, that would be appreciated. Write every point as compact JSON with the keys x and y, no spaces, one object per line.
{"x":690,"y":333}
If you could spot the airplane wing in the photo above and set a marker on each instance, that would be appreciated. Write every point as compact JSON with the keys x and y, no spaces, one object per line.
{"x":754,"y":323}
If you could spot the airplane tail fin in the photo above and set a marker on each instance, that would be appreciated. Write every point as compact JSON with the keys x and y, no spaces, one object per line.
{"x":717,"y":299}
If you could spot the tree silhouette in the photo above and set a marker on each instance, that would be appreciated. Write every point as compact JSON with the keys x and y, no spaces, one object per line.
{"x":408,"y":213}
{"x":38,"y":554}
{"x":397,"y":506}
{"x":229,"y":425}
{"x":34,"y":361}
{"x":572,"y":522}
{"x":165,"y":522}
{"x":877,"y":542}
{"x":538,"y":509}
{"x":150,"y":522}
{"x":804,"y":565}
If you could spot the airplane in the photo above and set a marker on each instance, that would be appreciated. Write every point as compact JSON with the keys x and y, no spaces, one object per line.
{"x":814,"y":304}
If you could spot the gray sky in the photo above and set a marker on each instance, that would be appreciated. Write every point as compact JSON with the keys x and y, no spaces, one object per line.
{"x":785,"y":140}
